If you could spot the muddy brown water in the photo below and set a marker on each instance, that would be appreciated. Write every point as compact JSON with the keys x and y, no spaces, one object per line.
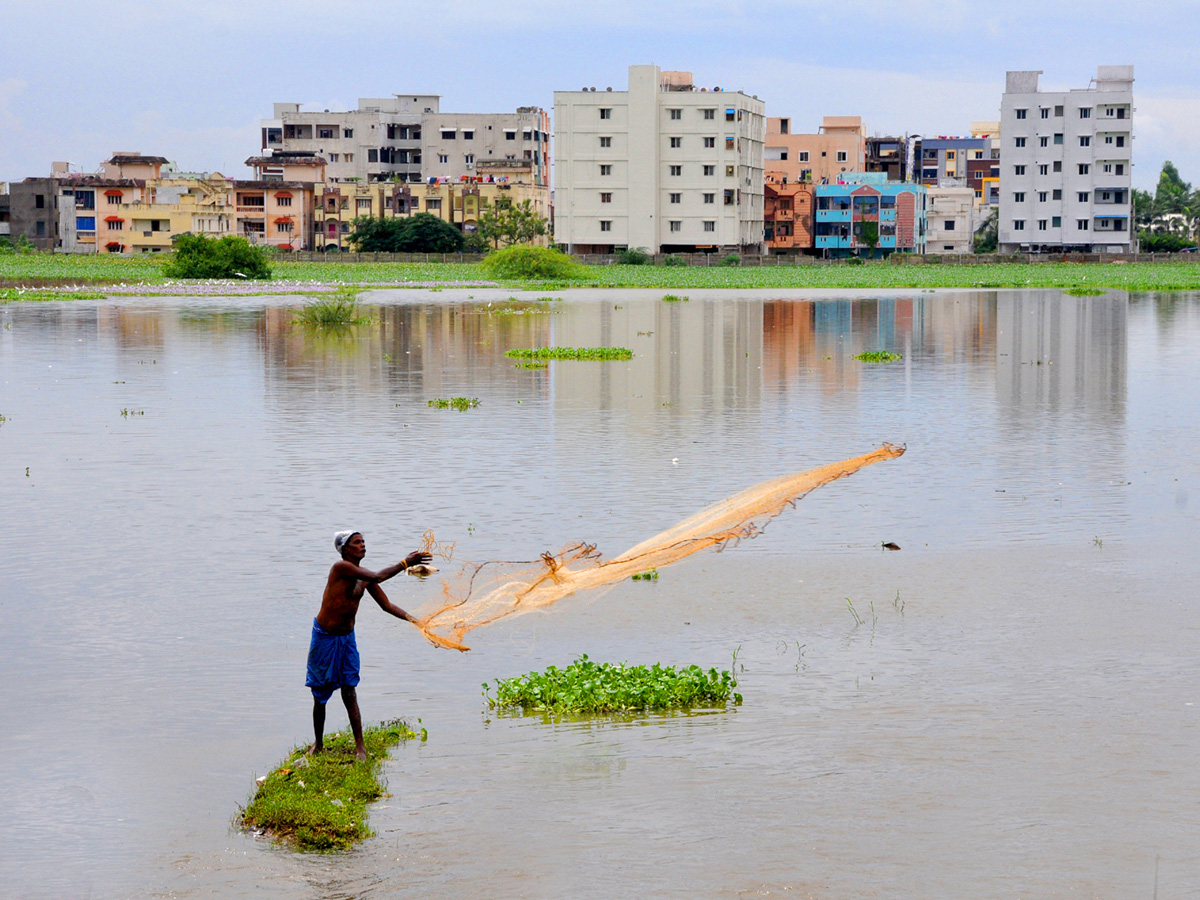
{"x":1016,"y":715}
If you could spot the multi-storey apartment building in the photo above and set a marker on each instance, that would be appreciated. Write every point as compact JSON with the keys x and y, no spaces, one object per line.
{"x":947,"y":157}
{"x":1065,"y":175}
{"x":839,"y":146}
{"x":866,"y":212}
{"x":666,"y":165}
{"x":950,"y":214}
{"x":788,"y":217}
{"x":406,"y":137}
{"x":890,"y":155}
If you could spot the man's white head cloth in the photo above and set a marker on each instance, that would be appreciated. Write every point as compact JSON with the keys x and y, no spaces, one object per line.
{"x":341,"y":539}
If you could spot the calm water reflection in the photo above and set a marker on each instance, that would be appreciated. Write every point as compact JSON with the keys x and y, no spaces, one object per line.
{"x":1016,"y":716}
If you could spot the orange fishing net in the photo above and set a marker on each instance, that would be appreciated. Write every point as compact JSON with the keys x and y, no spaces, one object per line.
{"x":484,"y":593}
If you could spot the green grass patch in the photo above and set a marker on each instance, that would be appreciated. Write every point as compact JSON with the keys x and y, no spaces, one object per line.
{"x":651,"y":575}
{"x":27,"y":295}
{"x":337,"y":311}
{"x":319,"y":803}
{"x":597,"y":688}
{"x":1084,"y":292}
{"x":462,"y":404}
{"x":532,"y":364}
{"x":585,"y":353}
{"x":532,"y":264}
{"x":878,"y":356}
{"x":672,"y":298}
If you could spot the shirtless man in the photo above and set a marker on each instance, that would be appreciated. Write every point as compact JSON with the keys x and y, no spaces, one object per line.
{"x":333,"y":655}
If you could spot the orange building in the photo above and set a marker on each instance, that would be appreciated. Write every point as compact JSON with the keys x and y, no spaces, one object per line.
{"x":788,"y":217}
{"x":840,"y":146}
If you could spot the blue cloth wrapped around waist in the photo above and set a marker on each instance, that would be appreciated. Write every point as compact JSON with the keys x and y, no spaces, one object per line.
{"x":332,"y":662}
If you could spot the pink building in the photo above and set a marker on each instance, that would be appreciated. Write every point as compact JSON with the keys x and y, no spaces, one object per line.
{"x":840,"y":146}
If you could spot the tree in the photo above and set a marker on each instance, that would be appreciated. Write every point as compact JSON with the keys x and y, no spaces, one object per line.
{"x":1172,"y":193}
{"x":1143,"y":207}
{"x":197,"y":256}
{"x":421,"y":233}
{"x":987,"y":238}
{"x":869,"y":235}
{"x":506,"y":223}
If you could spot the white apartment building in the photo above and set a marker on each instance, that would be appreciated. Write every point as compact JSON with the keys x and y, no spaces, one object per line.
{"x":666,"y":166}
{"x":1066,"y":160}
{"x":950,"y":213}
{"x":407,"y":138}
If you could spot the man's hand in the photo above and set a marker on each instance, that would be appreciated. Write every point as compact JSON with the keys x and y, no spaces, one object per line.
{"x":417,"y":558}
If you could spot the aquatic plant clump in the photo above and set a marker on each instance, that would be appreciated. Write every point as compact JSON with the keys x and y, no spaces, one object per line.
{"x":1084,"y":292}
{"x":649,"y":575}
{"x":337,"y":311}
{"x":535,"y":263}
{"x":672,"y":298}
{"x":878,"y":356}
{"x":578,"y":353}
{"x":460,"y":403}
{"x":596,"y":688}
{"x":319,"y":803}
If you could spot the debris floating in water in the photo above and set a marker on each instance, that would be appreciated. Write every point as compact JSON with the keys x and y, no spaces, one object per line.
{"x":486,"y":592}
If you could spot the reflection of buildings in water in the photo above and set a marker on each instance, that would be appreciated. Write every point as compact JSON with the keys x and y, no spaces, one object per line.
{"x":1058,"y":354}
{"x":688,"y":356}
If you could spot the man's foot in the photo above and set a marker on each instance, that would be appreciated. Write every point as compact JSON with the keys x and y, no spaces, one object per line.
{"x":315,"y":749}
{"x":361,"y":753}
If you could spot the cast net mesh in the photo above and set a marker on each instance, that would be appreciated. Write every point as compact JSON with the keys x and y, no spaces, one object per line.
{"x":486,"y":592}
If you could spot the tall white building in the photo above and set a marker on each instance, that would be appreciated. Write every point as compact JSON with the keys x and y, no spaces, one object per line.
{"x":666,"y":166}
{"x":1065,"y":165}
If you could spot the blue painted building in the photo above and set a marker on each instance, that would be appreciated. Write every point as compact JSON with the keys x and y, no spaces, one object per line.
{"x":845,"y":214}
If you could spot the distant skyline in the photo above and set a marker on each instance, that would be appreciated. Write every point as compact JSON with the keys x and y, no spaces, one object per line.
{"x":80,"y":80}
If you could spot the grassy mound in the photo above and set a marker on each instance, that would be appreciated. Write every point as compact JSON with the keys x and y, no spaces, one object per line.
{"x":319,"y":803}
{"x":589,"y":687}
{"x":532,"y":264}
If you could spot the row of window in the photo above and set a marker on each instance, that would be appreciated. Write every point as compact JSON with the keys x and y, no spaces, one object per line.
{"x":802,"y":155}
{"x":1056,"y":222}
{"x":1085,"y":112}
{"x":676,"y":115}
{"x":672,"y":225}
{"x":677,"y":197}
{"x":510,"y":134}
{"x":1112,"y":140}
{"x":677,"y":170}
{"x":1083,"y":168}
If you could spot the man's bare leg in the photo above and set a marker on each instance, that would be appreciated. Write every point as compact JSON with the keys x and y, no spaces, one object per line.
{"x":350,"y":698}
{"x":318,"y":726}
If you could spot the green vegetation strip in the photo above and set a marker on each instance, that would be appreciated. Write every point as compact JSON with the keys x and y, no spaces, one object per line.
{"x":320,"y":802}
{"x":878,"y":356}
{"x":460,"y":403}
{"x":589,"y":687}
{"x":338,"y":311}
{"x":544,"y":353}
{"x":147,"y":269}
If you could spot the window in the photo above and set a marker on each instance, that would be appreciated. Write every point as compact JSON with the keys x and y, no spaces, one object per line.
{"x":363,"y":203}
{"x":347,"y":132}
{"x":1083,"y":196}
{"x":606,"y":114}
{"x":730,"y":115}
{"x":1085,"y":112}
{"x":1018,"y":197}
{"x":1045,"y":112}
{"x":113,"y":225}
{"x":730,"y":171}
{"x":676,"y":170}
{"x":605,"y":142}
{"x":1058,"y":139}
{"x":1120,"y":168}
{"x":1056,"y":221}
{"x":1085,"y":141}
{"x":443,"y":158}
{"x":606,"y":197}
{"x":333,"y":157}
{"x":950,"y":154}
{"x":948,"y":225}
{"x":1020,"y":142}
{"x":468,"y":134}
{"x":1120,"y":140}
{"x":372,"y":155}
{"x":675,"y":198}
{"x":783,"y":155}
{"x":676,"y":143}
{"x":1018,"y":170}
{"x":326,"y":133}
{"x":281,"y":200}
{"x":1056,"y":194}
{"x":1081,"y":224}
{"x":1043,"y":169}
{"x":1043,"y":196}
{"x":710,"y":225}
{"x":729,"y":142}
{"x":510,"y":134}
{"x":449,"y":134}
{"x":433,"y":204}
{"x":283,"y":227}
{"x":841,"y":156}
{"x":710,"y":114}
{"x":39,"y":201}
{"x":729,"y":197}
{"x":710,"y":170}
{"x":1041,"y":224}
{"x":605,"y":225}
{"x":802,"y":156}
{"x":469,"y":159}
{"x":349,"y":157}
{"x":1084,"y":168}
{"x":676,"y":225}
{"x":1021,"y":113}
{"x":1058,"y":111}
{"x":675,"y":114}
{"x":40,"y":231}
{"x":114,"y":198}
{"x":1057,"y":167}
{"x":1043,"y":142}
{"x":606,"y":169}
{"x":710,"y":142}
{"x":710,"y":198}
{"x":1018,"y":224}
{"x":86,"y":223}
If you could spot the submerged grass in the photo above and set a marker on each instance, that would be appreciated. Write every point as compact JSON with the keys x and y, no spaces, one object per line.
{"x":460,"y":403}
{"x":878,"y":356}
{"x":337,"y":311}
{"x":596,"y":688}
{"x":585,"y":353}
{"x":319,"y":803}
{"x":1084,"y":292}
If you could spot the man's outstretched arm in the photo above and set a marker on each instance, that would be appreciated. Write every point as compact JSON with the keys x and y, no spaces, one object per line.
{"x":348,"y":570}
{"x":387,"y":605}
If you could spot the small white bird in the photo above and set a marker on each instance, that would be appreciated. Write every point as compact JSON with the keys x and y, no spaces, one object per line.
{"x":675,"y":461}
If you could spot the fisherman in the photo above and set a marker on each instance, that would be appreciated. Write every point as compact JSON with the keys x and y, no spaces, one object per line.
{"x":333,"y":655}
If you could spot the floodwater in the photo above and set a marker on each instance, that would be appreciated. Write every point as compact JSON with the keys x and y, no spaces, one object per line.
{"x":1016,"y":715}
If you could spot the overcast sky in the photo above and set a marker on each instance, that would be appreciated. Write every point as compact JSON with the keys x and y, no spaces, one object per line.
{"x":191,"y":81}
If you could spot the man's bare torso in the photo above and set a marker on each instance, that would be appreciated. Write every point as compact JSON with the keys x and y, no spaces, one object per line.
{"x":339,"y":605}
